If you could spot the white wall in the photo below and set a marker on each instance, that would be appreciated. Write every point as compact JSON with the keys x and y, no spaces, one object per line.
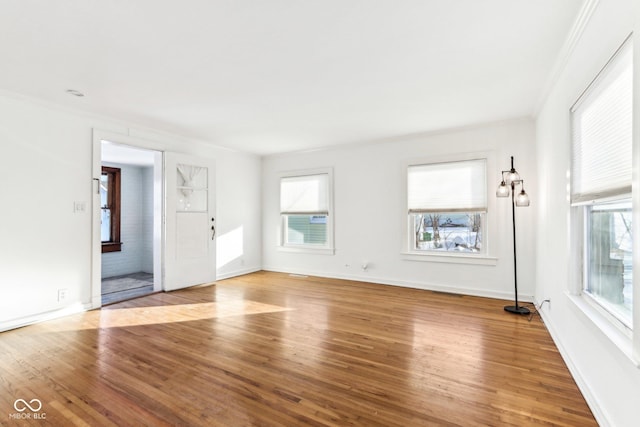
{"x":608,"y":378}
{"x":45,"y":166}
{"x":370,"y":210}
{"x":239,"y":221}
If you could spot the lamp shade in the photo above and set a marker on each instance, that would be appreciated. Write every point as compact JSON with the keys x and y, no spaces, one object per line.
{"x":513,"y":176}
{"x":503,"y":190}
{"x":522,"y":199}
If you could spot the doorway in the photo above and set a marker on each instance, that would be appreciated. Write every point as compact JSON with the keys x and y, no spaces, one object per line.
{"x":183,"y":211}
{"x":130,"y":214}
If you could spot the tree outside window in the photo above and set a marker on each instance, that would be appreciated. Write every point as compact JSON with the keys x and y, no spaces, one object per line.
{"x":447,"y":203}
{"x":461,"y":232}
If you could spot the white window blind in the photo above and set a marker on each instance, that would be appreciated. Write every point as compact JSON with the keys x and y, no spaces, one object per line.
{"x":448,"y":187}
{"x":601,"y":133}
{"x":301,"y":195}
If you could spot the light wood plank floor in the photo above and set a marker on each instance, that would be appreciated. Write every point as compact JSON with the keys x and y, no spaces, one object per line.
{"x":269,"y":349}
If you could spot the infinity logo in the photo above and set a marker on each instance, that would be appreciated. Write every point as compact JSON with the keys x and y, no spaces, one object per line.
{"x":24,"y":405}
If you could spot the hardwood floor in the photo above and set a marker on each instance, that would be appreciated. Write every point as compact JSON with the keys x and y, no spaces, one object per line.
{"x":269,"y":349}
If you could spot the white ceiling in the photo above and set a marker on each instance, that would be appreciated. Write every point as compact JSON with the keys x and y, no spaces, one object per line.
{"x":269,"y":76}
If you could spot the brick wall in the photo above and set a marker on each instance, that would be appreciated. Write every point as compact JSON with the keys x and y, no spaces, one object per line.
{"x":136,"y":230}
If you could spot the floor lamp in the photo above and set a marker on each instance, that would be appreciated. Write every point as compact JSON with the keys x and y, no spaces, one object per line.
{"x":511,"y":178}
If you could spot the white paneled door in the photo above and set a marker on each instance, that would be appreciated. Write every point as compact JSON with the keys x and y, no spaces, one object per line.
{"x":190,"y":227}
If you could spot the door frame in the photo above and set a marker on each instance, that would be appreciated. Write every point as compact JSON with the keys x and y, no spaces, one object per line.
{"x":158,"y":226}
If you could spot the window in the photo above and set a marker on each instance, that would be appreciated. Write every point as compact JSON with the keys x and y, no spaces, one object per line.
{"x":110,"y":209}
{"x":305,"y":204}
{"x":609,"y":273}
{"x":447,"y":206}
{"x":601,"y":181}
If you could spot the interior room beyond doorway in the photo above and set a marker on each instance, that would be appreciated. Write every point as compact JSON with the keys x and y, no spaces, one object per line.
{"x":128,"y":214}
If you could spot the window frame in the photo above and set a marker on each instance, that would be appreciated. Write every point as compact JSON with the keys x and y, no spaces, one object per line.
{"x":114,"y":244}
{"x":311,"y":248}
{"x":586,"y":253}
{"x":485,"y":257}
{"x":625,"y":338}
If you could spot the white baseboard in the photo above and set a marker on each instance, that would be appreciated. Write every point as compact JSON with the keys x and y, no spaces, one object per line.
{"x":79,"y":307}
{"x":407,"y":284}
{"x":597,"y":410}
{"x":237,"y":273}
{"x":41,"y":317}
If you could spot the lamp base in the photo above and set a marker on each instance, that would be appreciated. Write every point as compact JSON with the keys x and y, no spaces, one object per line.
{"x":516,"y":310}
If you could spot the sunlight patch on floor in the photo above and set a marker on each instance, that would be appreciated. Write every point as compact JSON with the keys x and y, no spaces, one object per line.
{"x":138,"y":316}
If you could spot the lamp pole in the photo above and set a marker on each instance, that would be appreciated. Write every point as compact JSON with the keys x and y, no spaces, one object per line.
{"x":522,"y":199}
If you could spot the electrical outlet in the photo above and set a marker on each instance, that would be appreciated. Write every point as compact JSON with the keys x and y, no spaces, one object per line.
{"x":62,"y":294}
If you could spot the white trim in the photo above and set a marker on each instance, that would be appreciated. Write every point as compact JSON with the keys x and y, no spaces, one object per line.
{"x":237,"y":273}
{"x":604,"y":200}
{"x":42,"y":317}
{"x":579,"y":25}
{"x":450,"y":257}
{"x":416,"y":137}
{"x":635,"y":201}
{"x":612,"y":327}
{"x":491,"y":223}
{"x":132,"y":129}
{"x":307,"y":249}
{"x":602,"y":74}
{"x":95,"y":286}
{"x":577,"y":236}
{"x":329,"y":247}
{"x":128,"y":139}
{"x":425,"y":286}
{"x":599,"y":412}
{"x":620,"y":334}
{"x":98,"y":136}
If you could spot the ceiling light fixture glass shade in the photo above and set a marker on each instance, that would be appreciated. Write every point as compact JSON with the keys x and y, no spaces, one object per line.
{"x":522,"y":199}
{"x":503,"y":190}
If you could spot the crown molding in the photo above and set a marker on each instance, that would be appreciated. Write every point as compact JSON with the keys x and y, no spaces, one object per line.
{"x":579,"y":25}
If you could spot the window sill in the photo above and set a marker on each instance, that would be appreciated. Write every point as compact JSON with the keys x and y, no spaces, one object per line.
{"x":611,"y":328}
{"x":307,"y":250}
{"x":111,"y":247}
{"x":450,"y":258}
